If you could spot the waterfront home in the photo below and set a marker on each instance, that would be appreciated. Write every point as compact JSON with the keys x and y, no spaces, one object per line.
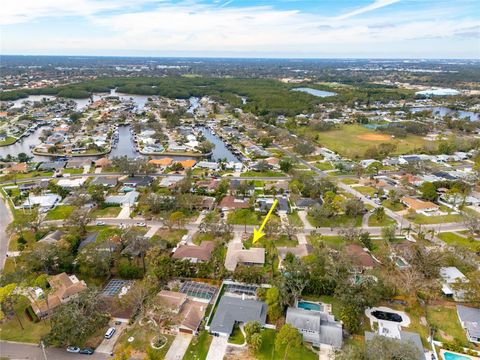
{"x":317,"y":327}
{"x":209,"y":165}
{"x":52,"y":165}
{"x":103,"y":162}
{"x":470,"y":320}
{"x":236,"y":310}
{"x":63,"y":288}
{"x":161,"y":163}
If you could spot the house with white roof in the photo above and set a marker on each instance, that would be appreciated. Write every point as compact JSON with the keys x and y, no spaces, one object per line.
{"x":452,"y":277}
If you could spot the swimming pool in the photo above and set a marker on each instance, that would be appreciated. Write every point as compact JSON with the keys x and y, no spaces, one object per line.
{"x":454,"y":356}
{"x":307,"y":305}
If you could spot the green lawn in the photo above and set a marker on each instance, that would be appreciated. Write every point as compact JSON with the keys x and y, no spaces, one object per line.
{"x":349,"y":181}
{"x":237,"y":336}
{"x":387,"y":220}
{"x":324,"y":166}
{"x":278,"y":241}
{"x":198,"y":348}
{"x":336,"y":221}
{"x":244,"y":216}
{"x":267,"y":350}
{"x":60,"y":212}
{"x":11,"y":330}
{"x":199,"y":237}
{"x":424,"y":220}
{"x":172,"y":236}
{"x":262,"y":174}
{"x":445,"y":319}
{"x":454,"y":239}
{"x":294,"y":219}
{"x":332,"y":241}
{"x":8,"y":141}
{"x":73,"y":171}
{"x":347,"y":140}
{"x":108,"y":212}
{"x":393,"y":206}
{"x":365,"y":190}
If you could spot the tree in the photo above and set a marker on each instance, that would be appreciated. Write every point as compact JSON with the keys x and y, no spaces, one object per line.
{"x":286,"y":165}
{"x":205,"y":147}
{"x":176,"y":218}
{"x":251,"y":328}
{"x":8,"y":300}
{"x":94,"y":262}
{"x":26,"y":220}
{"x":138,"y":246}
{"x":80,"y":218}
{"x":354,"y":207}
{"x":389,"y":232}
{"x":287,"y":338}
{"x":255,"y":342}
{"x":273,"y":300}
{"x":472,"y":223}
{"x":384,"y":348}
{"x":75,"y":321}
{"x":429,"y":191}
{"x":294,"y":277}
{"x":379,"y":213}
{"x":303,"y":148}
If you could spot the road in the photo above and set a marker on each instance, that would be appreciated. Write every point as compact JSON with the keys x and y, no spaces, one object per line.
{"x":5,"y":219}
{"x":23,"y":351}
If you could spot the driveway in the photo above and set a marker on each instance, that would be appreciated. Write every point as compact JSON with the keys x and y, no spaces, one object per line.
{"x":217,"y":349}
{"x":106,"y":347}
{"x":179,"y":346}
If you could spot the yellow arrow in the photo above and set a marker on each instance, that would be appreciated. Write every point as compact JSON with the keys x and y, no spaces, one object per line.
{"x":257,"y":234}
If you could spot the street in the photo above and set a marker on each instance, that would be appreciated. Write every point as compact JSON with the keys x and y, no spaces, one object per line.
{"x":22,"y":351}
{"x":5,"y":219}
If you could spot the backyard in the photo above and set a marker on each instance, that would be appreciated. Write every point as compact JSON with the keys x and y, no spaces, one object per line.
{"x":268,"y":351}
{"x":445,"y":320}
{"x":60,"y":212}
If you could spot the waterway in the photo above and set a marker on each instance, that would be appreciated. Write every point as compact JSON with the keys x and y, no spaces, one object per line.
{"x":220,"y":151}
{"x":442,"y":111}
{"x":315,"y":92}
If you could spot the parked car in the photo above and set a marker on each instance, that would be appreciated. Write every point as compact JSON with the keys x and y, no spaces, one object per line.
{"x":110,"y":332}
{"x":73,"y":349}
{"x":100,"y":223}
{"x":87,"y":351}
{"x":141,"y":224}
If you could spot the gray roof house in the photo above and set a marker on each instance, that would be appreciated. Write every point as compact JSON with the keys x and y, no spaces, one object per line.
{"x":405,"y":338}
{"x":470,"y":320}
{"x":318,"y":328}
{"x":232,"y":310}
{"x":109,"y":181}
{"x":125,"y":199}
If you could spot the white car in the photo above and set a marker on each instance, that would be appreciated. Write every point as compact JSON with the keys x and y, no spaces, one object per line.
{"x":73,"y":349}
{"x":141,"y":224}
{"x":100,"y":223}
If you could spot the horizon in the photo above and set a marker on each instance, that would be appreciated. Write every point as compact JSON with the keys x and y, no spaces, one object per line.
{"x":357,"y":29}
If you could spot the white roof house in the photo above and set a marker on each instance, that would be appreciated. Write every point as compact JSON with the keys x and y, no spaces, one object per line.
{"x":128,"y":198}
{"x":45,"y":202}
{"x":71,"y":183}
{"x":452,"y":276}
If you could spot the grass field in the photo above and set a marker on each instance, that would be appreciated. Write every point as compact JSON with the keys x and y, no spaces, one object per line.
{"x":425,"y":220}
{"x":60,"y":212}
{"x":294,"y":219}
{"x":143,"y":335}
{"x":445,"y":320}
{"x":262,"y":174}
{"x":32,"y":332}
{"x":332,"y":241}
{"x":352,"y":140}
{"x":268,"y":351}
{"x":365,"y":190}
{"x":108,"y":212}
{"x":8,"y":141}
{"x":373,"y":221}
{"x":243,"y":216}
{"x":336,"y":221}
{"x":454,"y":239}
{"x":393,"y":206}
{"x":198,"y":348}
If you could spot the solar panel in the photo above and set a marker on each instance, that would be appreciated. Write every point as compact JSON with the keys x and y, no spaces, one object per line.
{"x":114,"y":287}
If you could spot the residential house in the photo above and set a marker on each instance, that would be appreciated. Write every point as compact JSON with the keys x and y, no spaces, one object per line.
{"x":451,"y":279}
{"x":106,"y":181}
{"x":194,"y":253}
{"x":317,"y":327}
{"x":63,"y":288}
{"x":282,"y":207}
{"x":306,"y":203}
{"x":138,"y":181}
{"x":103,"y":162}
{"x":16,"y":168}
{"x":52,"y":237}
{"x":237,"y":255}
{"x":470,"y":320}
{"x":161,"y":163}
{"x":52,"y":165}
{"x":244,"y":188}
{"x":298,"y":251}
{"x":360,"y":257}
{"x":170,"y":181}
{"x":44,"y":202}
{"x":420,"y":206}
{"x":233,"y":310}
{"x":127,"y":199}
{"x":208,"y":165}
{"x":232,"y":203}
{"x":71,"y":183}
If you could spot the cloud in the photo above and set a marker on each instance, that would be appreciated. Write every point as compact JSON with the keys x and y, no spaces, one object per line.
{"x":377,"y":4}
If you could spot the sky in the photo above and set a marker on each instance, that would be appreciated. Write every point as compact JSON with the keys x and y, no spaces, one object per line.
{"x":243,"y":28}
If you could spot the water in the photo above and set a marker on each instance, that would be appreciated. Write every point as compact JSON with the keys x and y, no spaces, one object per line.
{"x":438,"y":92}
{"x":194,"y":104}
{"x":315,"y":92}
{"x":125,"y":145}
{"x":453,"y":356}
{"x":306,"y":305}
{"x":23,"y":145}
{"x":442,"y":111}
{"x":32,"y":98}
{"x":220,"y":151}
